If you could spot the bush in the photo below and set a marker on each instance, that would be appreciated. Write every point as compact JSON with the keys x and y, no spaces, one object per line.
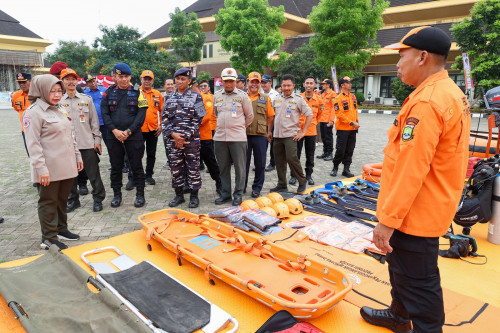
{"x":401,"y":90}
{"x":360,"y":97}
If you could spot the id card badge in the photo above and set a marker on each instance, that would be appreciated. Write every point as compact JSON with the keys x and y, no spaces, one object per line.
{"x":82,"y":118}
{"x":288,"y":111}
{"x":233,"y":113}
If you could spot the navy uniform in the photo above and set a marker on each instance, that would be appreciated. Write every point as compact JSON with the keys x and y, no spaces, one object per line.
{"x":125,"y":110}
{"x":182,"y":114}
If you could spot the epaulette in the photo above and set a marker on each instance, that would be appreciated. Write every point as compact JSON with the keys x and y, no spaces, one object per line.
{"x":426,"y":94}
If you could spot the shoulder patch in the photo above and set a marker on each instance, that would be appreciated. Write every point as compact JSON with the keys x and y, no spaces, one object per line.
{"x":407,"y":133}
{"x":142,"y":102}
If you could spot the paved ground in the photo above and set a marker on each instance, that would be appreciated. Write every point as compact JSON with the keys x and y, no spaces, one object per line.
{"x":20,"y":233}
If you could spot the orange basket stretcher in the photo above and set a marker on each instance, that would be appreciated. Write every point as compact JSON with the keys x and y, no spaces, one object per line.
{"x":272,"y":275}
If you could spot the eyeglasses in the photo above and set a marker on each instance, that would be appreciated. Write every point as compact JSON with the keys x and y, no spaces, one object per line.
{"x":56,"y":91}
{"x":204,"y":86}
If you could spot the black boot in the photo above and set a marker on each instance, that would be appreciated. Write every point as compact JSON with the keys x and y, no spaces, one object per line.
{"x":117,"y":198}
{"x":193,"y":199}
{"x":139,"y":197}
{"x":395,"y":318}
{"x":178,"y":199}
{"x":347,"y":172}
{"x":334,"y":171}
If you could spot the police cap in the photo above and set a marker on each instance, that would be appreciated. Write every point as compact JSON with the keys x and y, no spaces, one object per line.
{"x":122,"y":68}
{"x":241,"y":78}
{"x":21,"y":77}
{"x":183,"y":72}
{"x":426,"y":38}
{"x":266,"y":78}
{"x":88,"y":77}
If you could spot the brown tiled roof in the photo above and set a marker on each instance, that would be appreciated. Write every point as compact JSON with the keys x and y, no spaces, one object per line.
{"x":389,"y":36}
{"x":11,"y":27}
{"x":292,"y":43}
{"x":395,"y":3}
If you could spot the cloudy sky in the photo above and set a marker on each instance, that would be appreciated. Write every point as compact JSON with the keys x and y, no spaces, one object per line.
{"x":76,"y":20}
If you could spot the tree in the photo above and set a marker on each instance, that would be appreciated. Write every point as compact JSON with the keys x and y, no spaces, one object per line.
{"x":249,"y":29}
{"x":345,"y":32}
{"x":202,"y":75}
{"x":124,"y":44}
{"x":479,"y":35}
{"x":301,"y":64}
{"x":401,"y":90}
{"x":75,"y":54}
{"x":187,"y":36}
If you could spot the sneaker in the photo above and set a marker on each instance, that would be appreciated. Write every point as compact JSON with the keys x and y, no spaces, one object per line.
{"x":47,"y":243}
{"x":292,"y":181}
{"x":68,"y":235}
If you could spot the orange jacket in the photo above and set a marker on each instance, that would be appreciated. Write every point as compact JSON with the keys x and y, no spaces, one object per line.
{"x":206,"y":122}
{"x":20,"y":103}
{"x":328,"y":113}
{"x":208,"y":100}
{"x":155,"y":106}
{"x":426,"y":159}
{"x":316,"y":105}
{"x":346,"y":110}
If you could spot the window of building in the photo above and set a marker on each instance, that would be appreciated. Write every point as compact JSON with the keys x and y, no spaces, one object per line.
{"x":211,"y":51}
{"x":386,"y":86}
{"x":204,"y":51}
{"x":459,"y":79}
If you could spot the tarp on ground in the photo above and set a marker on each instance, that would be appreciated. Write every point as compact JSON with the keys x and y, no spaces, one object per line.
{"x":52,"y":290}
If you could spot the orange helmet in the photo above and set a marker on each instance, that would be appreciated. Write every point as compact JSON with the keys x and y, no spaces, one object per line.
{"x":249,"y":204}
{"x":275,"y":197}
{"x":281,"y":210}
{"x":269,"y":211}
{"x":294,"y":206}
{"x":264,"y":202}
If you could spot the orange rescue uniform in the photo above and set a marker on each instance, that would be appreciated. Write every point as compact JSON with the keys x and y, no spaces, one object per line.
{"x":20,"y":103}
{"x":426,"y":159}
{"x":206,"y":126}
{"x":346,"y":110}
{"x":155,"y":106}
{"x":328,"y":114}
{"x":316,"y":105}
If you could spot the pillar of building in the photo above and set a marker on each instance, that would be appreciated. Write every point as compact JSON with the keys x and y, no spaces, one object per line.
{"x":369,"y":94}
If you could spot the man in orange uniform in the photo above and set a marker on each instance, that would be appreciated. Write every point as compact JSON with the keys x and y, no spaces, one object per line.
{"x":424,"y":169}
{"x":325,"y":120}
{"x":345,"y":106}
{"x":151,"y":128}
{"x":259,"y":132}
{"x":309,"y":139}
{"x":20,"y":99}
{"x":207,"y":154}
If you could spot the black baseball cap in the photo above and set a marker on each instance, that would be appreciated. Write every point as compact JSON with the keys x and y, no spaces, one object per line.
{"x":344,"y":79}
{"x":426,"y":38}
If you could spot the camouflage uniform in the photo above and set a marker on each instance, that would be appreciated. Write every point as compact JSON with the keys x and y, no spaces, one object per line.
{"x":182,"y":113}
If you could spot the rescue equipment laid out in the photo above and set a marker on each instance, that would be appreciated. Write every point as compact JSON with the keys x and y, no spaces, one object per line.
{"x":159,"y":300}
{"x":264,"y":221}
{"x":273,"y":275}
{"x":372,"y":172}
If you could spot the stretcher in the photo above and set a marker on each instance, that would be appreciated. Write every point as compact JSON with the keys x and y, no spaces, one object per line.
{"x":155,"y":297}
{"x":277,"y":277}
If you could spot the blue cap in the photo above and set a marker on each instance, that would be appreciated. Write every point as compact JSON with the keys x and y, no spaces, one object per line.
{"x":266,"y":78}
{"x":241,"y":78}
{"x":122,"y":68}
{"x":183,"y":72}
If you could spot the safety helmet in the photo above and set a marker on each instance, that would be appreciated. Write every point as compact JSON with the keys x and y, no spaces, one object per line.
{"x":281,"y":210}
{"x":249,"y":204}
{"x":269,"y":211}
{"x":294,"y":206}
{"x":275,"y":197}
{"x":264,"y":202}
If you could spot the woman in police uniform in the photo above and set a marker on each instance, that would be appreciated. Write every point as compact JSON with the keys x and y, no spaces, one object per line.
{"x":54,"y":157}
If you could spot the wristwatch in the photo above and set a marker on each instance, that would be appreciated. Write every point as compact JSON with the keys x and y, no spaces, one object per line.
{"x":351,"y":123}
{"x":128,"y":131}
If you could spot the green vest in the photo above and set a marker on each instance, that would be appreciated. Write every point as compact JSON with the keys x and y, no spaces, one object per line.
{"x":259,"y":123}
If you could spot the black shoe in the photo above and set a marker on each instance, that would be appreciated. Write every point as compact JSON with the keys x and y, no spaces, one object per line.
{"x":302,"y":188}
{"x":255,"y":194}
{"x":130,"y":185}
{"x":139,"y":201}
{"x":279,"y":189}
{"x":178,"y":199}
{"x":125,"y":169}
{"x":347,"y":173}
{"x":310,"y":181}
{"x":109,"y":169}
{"x":68,"y":235}
{"x":47,"y":243}
{"x":117,"y":198}
{"x":269,"y":168}
{"x":386,"y":318}
{"x":150,"y":181}
{"x":194,"y":202}
{"x":334,"y":171}
{"x":202,"y":166}
{"x":97,"y":206}
{"x":222,"y":200}
{"x":292,"y":181}
{"x":253,"y":169}
{"x":1,"y":219}
{"x":83,"y":189}
{"x":321,"y":156}
{"x":328,"y":157}
{"x":237,"y":201}
{"x":72,"y":205}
